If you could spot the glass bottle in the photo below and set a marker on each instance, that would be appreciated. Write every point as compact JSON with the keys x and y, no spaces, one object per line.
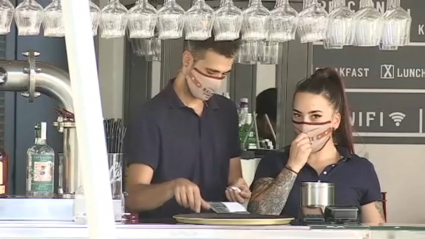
{"x":228,"y":21}
{"x":283,"y":22}
{"x":397,"y":24}
{"x":52,"y":21}
{"x":340,"y":26}
{"x":243,"y":110}
{"x":312,"y":22}
{"x":255,"y":22}
{"x":28,"y":18}
{"x":368,"y":25}
{"x":247,"y":132}
{"x":40,"y":165}
{"x":113,"y":20}
{"x":6,"y":16}
{"x":95,"y":14}
{"x":142,"y":20}
{"x":170,"y":21}
{"x":198,"y":21}
{"x":4,"y":174}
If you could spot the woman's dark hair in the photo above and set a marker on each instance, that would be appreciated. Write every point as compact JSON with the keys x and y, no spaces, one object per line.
{"x":328,"y":83}
{"x":266,"y":103}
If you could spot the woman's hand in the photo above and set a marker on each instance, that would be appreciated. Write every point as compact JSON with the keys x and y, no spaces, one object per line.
{"x":299,"y":152}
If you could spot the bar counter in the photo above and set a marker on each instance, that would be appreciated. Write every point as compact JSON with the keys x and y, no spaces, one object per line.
{"x":58,"y":230}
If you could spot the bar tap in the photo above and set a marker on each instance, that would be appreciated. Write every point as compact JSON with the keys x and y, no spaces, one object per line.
{"x":32,"y":78}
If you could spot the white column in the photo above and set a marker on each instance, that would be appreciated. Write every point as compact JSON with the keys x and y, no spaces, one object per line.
{"x":89,"y":120}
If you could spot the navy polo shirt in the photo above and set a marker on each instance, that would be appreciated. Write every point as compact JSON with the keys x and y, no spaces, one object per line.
{"x":177,"y":143}
{"x":355,"y":179}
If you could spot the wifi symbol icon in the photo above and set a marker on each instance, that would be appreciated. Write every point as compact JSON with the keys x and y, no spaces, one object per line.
{"x":397,"y":117}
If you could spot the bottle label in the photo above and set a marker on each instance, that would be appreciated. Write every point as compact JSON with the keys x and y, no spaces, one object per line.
{"x":2,"y":187}
{"x":42,"y":173}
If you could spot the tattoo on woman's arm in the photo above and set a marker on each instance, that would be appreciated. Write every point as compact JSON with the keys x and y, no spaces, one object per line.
{"x":380,"y":208}
{"x":272,"y":194}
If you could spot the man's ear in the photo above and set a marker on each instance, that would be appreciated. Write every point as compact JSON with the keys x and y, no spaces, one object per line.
{"x":187,"y":59}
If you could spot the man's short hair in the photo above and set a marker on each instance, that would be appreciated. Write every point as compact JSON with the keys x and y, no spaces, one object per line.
{"x":266,"y":103}
{"x":198,"y":49}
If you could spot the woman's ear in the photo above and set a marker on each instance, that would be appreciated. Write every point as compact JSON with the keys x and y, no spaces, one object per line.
{"x":336,"y":121}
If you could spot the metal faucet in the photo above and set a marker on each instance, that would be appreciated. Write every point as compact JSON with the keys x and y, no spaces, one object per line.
{"x":33,"y":78}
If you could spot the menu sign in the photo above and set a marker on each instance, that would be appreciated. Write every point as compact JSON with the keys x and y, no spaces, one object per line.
{"x":385,"y":89}
{"x":371,"y":68}
{"x":414,"y":7}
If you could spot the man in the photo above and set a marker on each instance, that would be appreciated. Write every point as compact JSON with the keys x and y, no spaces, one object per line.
{"x":266,"y":106}
{"x":184,"y":148}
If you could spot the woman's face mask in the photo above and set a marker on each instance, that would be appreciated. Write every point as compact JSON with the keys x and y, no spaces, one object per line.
{"x":319,"y":133}
{"x":202,"y":86}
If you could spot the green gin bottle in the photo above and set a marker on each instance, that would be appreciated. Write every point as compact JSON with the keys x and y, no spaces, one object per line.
{"x":40,"y":165}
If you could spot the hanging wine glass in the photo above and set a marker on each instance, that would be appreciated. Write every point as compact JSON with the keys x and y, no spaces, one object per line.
{"x":95,"y":14}
{"x":152,"y":49}
{"x":52,"y":21}
{"x":307,"y":3}
{"x":340,"y":26}
{"x":396,"y":26}
{"x":157,"y":49}
{"x":137,"y":45}
{"x":368,"y":25}
{"x":255,"y":22}
{"x":268,"y":52}
{"x":198,"y":21}
{"x":6,"y":16}
{"x":114,"y":20}
{"x":248,"y":53}
{"x":283,"y":22}
{"x":170,"y":21}
{"x":28,"y":18}
{"x":312,"y":22}
{"x":228,"y":21}
{"x":142,"y":20}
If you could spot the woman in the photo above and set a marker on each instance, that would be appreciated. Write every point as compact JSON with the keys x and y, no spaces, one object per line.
{"x":322,"y":151}
{"x":266,"y":108}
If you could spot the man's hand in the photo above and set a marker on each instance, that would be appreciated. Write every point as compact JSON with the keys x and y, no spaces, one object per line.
{"x":187,"y":195}
{"x":238,"y":191}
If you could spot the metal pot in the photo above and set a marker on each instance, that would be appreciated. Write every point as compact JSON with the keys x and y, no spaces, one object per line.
{"x":317,"y":194}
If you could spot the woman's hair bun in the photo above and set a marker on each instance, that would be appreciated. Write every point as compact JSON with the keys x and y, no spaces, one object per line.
{"x":327,"y":74}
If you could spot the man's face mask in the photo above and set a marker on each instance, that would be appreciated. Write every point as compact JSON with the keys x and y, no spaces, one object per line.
{"x":202,"y":86}
{"x":319,"y":133}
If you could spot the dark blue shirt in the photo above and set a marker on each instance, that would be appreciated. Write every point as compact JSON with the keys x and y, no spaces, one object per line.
{"x":177,"y":143}
{"x":355,"y":179}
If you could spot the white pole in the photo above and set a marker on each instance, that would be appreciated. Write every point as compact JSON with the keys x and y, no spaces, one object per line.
{"x":88,"y":116}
